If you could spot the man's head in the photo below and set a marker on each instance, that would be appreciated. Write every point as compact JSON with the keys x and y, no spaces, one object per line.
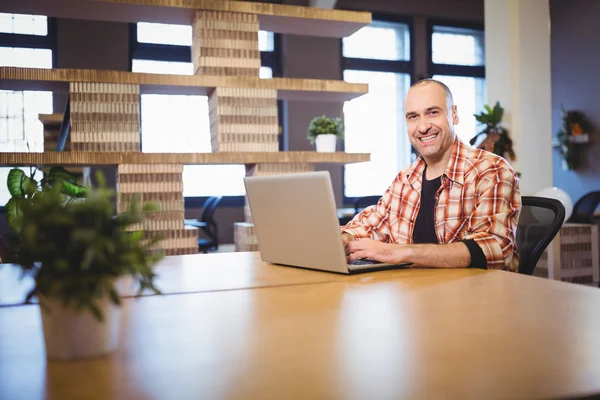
{"x":430,"y":118}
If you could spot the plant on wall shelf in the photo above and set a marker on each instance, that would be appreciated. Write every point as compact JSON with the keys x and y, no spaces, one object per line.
{"x":498,"y":140}
{"x":324,"y":131}
{"x":574,"y":131}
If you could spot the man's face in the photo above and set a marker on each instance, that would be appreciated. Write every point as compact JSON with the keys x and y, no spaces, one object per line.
{"x":429,"y":122}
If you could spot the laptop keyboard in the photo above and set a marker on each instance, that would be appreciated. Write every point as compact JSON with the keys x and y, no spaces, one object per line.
{"x":363,"y":261}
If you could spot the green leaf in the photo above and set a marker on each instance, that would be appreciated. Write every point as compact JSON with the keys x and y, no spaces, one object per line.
{"x":114,"y":297}
{"x":13,"y":182}
{"x":14,"y":214}
{"x":96,"y":311}
{"x":101,"y":179}
{"x":73,"y":189}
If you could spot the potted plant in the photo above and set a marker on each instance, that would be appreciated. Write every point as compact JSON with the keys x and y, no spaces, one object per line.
{"x":324,"y":131}
{"x":76,"y":251}
{"x":497,"y":139}
{"x":574,"y":131}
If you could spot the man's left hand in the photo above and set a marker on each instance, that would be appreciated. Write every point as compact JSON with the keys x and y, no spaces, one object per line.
{"x":377,"y":250}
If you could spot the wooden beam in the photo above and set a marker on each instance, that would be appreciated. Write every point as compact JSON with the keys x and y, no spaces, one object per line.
{"x":272,"y":17}
{"x":116,"y":158}
{"x":57,"y":80}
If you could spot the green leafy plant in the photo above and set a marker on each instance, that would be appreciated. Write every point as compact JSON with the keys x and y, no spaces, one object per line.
{"x":574,"y":124}
{"x":75,"y":250}
{"x":25,"y":189}
{"x":324,"y":125}
{"x":497,"y":140}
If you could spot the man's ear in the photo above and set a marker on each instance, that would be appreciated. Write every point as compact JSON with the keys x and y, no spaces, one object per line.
{"x":455,"y":115}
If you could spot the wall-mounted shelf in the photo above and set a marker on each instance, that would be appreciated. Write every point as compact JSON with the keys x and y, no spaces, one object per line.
{"x":584,"y":138}
{"x":108,"y":158}
{"x":14,"y":78}
{"x":272,"y":17}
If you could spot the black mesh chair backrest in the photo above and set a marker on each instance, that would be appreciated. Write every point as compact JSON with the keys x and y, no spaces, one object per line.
{"x":209,"y":207}
{"x":364,"y":202}
{"x":583,"y":211}
{"x":539,"y":222}
{"x":208,"y":211}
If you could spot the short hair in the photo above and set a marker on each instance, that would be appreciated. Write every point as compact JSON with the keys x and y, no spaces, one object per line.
{"x":427,"y":81}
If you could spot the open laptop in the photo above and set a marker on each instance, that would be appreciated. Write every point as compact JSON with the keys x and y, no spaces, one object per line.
{"x":296,"y":223}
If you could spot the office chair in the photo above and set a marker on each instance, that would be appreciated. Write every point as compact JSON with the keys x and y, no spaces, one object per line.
{"x":583,"y":211}
{"x":209,"y":226}
{"x":540,"y":220}
{"x":363,"y":202}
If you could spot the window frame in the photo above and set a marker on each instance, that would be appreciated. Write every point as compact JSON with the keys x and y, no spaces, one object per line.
{"x":397,"y":66}
{"x":28,"y":41}
{"x":467,"y":71}
{"x":471,"y":71}
{"x":181,"y":53}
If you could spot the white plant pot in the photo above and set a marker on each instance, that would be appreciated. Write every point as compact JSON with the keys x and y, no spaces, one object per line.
{"x":325,"y":143}
{"x":70,"y":334}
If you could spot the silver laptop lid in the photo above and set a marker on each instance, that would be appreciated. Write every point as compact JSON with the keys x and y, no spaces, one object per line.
{"x":295,"y":220}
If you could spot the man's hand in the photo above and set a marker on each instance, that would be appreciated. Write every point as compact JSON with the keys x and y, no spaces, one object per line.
{"x":452,"y":255}
{"x":347,"y":238}
{"x":377,"y":250}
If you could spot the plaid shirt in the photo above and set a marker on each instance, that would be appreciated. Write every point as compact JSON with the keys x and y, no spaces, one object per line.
{"x":479,"y":199}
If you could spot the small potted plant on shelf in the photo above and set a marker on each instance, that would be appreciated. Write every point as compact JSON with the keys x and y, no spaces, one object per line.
{"x":323,"y":131}
{"x":76,"y":249}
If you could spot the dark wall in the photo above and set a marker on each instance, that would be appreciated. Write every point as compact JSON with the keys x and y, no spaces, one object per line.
{"x":574,"y":43}
{"x":317,"y":58}
{"x":91,"y":45}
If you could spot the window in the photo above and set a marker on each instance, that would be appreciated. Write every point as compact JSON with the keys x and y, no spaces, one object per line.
{"x":27,"y":41}
{"x":375,"y":122}
{"x":165,"y":49}
{"x":458,"y":60}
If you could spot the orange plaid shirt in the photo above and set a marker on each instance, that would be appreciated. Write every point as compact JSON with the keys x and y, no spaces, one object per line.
{"x":479,"y":199}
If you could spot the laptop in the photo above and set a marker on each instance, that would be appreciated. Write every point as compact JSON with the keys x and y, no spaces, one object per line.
{"x":296,"y":223}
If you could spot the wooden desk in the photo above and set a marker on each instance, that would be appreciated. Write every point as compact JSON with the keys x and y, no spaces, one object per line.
{"x":441,"y":335}
{"x":209,"y":272}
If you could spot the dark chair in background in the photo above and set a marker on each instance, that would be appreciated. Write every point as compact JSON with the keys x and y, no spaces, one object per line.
{"x":363,"y":202}
{"x":583,"y":210}
{"x":359,"y":204}
{"x":208,"y":225}
{"x":540,"y":220}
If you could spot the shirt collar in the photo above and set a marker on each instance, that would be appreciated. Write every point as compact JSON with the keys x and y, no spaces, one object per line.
{"x":454,"y":171}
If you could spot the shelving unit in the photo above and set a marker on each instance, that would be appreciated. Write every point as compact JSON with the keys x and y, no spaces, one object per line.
{"x":58,"y":80}
{"x":272,"y":17}
{"x":84,"y":158}
{"x":104,"y":105}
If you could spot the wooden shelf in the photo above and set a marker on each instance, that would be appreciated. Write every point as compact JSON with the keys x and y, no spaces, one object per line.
{"x":272,"y":17}
{"x":106,"y":158}
{"x":55,"y":119}
{"x":57,"y":80}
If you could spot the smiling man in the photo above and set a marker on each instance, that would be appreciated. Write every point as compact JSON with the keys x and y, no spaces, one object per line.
{"x":456,"y":206}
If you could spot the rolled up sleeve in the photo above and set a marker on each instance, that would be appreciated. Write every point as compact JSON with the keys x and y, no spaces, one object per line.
{"x":372,"y":222}
{"x":493,"y":224}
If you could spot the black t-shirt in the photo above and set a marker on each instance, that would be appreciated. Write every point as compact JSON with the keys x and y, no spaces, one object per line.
{"x":424,"y":231}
